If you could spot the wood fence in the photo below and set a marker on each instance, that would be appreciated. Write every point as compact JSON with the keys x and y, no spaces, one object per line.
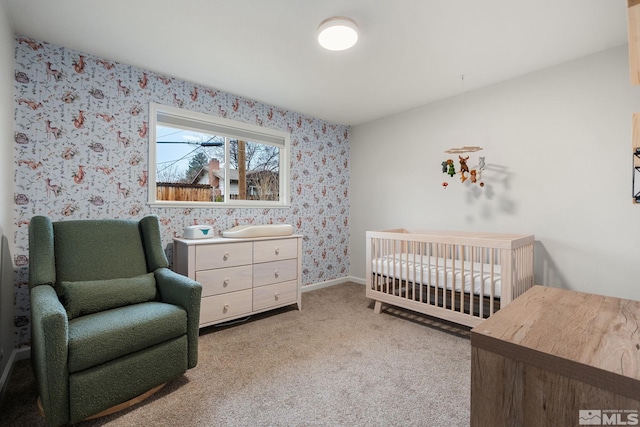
{"x":184,"y":192}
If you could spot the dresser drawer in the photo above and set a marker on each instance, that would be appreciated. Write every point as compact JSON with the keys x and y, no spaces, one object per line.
{"x":274,"y":250}
{"x":273,"y":295}
{"x":223,"y":255}
{"x":275,"y":272}
{"x":220,"y":307}
{"x":222,"y":280}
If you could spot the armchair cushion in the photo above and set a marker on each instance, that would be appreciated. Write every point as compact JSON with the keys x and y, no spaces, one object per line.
{"x":91,"y":296}
{"x":108,"y":335}
{"x":98,"y":250}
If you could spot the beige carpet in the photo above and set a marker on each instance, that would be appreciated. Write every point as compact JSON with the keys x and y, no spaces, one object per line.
{"x":335,"y":363}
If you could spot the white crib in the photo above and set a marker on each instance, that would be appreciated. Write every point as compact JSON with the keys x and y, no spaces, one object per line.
{"x":462,"y":277}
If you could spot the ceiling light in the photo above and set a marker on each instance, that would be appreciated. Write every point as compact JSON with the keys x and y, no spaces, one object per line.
{"x":337,"y":33}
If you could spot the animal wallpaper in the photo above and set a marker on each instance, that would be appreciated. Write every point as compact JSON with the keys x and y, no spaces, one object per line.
{"x":81,"y":151}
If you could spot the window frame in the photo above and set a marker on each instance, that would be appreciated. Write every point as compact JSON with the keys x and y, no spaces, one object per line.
{"x":201,"y":122}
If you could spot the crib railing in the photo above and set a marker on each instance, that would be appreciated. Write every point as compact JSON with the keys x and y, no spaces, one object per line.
{"x":459,"y":276}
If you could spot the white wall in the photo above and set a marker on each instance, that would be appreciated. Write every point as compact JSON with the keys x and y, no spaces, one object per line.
{"x":6,"y":192}
{"x":558,"y":151}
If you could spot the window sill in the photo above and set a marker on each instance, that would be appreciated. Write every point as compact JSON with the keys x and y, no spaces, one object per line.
{"x":219,"y":205}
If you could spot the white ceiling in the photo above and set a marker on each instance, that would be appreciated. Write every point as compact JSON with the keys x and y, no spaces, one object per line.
{"x":410,"y":52}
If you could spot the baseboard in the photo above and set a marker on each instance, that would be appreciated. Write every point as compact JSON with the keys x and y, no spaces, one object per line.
{"x":16,"y":354}
{"x":333,"y":282}
{"x":358,"y":280}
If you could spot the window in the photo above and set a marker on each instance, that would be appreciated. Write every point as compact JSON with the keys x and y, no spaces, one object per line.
{"x":197,"y":160}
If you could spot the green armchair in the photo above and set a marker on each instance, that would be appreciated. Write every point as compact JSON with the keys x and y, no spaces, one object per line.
{"x":109,"y":320}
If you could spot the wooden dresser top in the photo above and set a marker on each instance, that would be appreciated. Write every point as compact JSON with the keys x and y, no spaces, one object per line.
{"x":591,"y":338}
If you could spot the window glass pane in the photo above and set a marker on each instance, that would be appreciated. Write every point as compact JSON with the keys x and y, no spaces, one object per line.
{"x":187,"y":165}
{"x":257,"y":167}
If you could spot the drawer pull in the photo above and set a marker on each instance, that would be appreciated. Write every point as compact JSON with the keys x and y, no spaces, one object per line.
{"x":226,"y":282}
{"x":277,"y":273}
{"x":277,"y":251}
{"x":225,"y":308}
{"x":225,"y":256}
{"x":276,"y":295}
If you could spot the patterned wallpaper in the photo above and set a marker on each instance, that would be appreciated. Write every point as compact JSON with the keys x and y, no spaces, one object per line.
{"x":81,"y":149}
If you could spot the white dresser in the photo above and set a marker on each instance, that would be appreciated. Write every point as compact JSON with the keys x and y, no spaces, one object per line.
{"x":241,"y":276}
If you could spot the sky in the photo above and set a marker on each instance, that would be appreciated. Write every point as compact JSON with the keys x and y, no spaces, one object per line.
{"x":177,"y":156}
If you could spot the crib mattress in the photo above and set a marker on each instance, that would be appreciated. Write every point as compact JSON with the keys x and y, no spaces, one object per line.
{"x":444,"y":273}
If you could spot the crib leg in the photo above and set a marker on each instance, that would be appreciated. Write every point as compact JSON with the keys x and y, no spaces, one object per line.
{"x":377,"y":308}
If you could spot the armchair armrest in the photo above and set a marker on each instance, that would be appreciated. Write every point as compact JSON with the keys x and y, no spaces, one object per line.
{"x":42,"y":268}
{"x":49,"y":343}
{"x":186,"y":293}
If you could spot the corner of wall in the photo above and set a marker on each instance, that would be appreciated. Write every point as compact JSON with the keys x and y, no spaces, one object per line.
{"x":7,"y":287}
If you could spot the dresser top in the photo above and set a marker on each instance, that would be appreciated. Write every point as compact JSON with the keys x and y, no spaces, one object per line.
{"x":222,"y":240}
{"x":585,"y":336}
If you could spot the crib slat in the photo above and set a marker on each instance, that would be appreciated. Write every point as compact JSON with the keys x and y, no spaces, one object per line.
{"x":463,"y":280}
{"x":378,"y":256}
{"x":431,"y":287}
{"x":387,"y":260}
{"x":426,"y":274}
{"x":418,"y":272}
{"x":386,"y":251}
{"x":454,"y":278}
{"x":406,"y":254}
{"x":450,"y":282}
{"x":410,"y":267}
{"x":493,"y":282}
{"x":372,"y":255}
{"x":394,"y":265}
{"x":421,"y":248}
{"x":437,"y":276}
{"x":380,"y":251}
{"x":472,"y":304}
{"x":507,"y":258}
{"x":445,"y":278}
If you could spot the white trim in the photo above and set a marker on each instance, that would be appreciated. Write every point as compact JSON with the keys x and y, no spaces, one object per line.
{"x":249,"y":204}
{"x":334,"y":282}
{"x":187,"y":119}
{"x":16,"y":354}
{"x":358,"y":280}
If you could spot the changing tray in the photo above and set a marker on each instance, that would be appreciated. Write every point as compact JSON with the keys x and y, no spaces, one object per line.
{"x":263,"y":230}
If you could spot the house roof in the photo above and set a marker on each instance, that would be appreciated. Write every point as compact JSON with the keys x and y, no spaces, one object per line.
{"x":233,"y":174}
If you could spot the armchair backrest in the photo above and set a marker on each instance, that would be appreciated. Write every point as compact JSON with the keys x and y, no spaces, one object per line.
{"x":82,"y":250}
